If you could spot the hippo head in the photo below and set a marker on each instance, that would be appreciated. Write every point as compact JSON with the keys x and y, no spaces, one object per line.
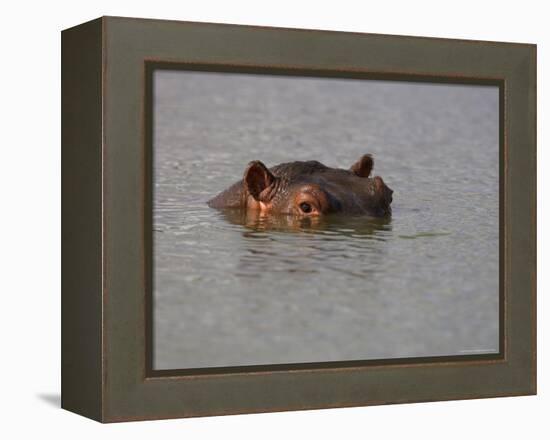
{"x":309,"y":189}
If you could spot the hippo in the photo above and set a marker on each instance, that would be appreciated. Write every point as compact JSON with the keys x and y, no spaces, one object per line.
{"x":308,"y":189}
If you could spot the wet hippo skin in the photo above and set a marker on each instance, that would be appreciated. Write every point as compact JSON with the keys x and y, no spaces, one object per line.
{"x":308,"y":189}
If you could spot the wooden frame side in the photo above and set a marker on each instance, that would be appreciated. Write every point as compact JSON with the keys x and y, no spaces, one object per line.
{"x":81,"y":213}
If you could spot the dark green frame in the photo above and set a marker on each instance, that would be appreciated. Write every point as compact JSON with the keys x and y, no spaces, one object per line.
{"x":106,"y":215}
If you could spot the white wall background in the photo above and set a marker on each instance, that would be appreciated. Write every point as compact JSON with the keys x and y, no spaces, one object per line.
{"x":30,"y":218}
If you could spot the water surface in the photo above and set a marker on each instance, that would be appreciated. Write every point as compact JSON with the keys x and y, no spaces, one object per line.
{"x":247,"y":290}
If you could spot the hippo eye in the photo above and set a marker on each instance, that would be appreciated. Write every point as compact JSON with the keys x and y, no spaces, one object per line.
{"x":305,"y":207}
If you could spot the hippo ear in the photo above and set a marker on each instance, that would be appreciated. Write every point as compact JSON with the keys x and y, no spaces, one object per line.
{"x":259,"y":181}
{"x":363,"y":166}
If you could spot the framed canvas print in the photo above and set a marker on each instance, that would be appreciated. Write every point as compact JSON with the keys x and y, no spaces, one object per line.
{"x":264,"y":219}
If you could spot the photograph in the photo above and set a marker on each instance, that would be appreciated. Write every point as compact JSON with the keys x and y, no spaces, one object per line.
{"x":303,"y":219}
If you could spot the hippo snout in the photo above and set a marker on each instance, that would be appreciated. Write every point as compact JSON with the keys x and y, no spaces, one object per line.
{"x":384,"y":193}
{"x":384,"y":190}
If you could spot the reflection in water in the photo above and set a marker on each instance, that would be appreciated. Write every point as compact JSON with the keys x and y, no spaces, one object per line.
{"x":355,"y":226}
{"x":285,"y":243}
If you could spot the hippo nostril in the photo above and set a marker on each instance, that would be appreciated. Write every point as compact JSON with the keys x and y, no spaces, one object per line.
{"x":389,"y":194}
{"x":378,"y":182}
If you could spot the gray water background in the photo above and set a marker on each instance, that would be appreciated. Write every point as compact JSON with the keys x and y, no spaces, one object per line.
{"x":423,"y":284}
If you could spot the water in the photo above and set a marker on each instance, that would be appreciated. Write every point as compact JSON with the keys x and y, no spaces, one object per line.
{"x":230,"y":290}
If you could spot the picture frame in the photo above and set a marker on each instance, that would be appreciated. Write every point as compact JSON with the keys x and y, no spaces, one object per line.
{"x":107,"y":373}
